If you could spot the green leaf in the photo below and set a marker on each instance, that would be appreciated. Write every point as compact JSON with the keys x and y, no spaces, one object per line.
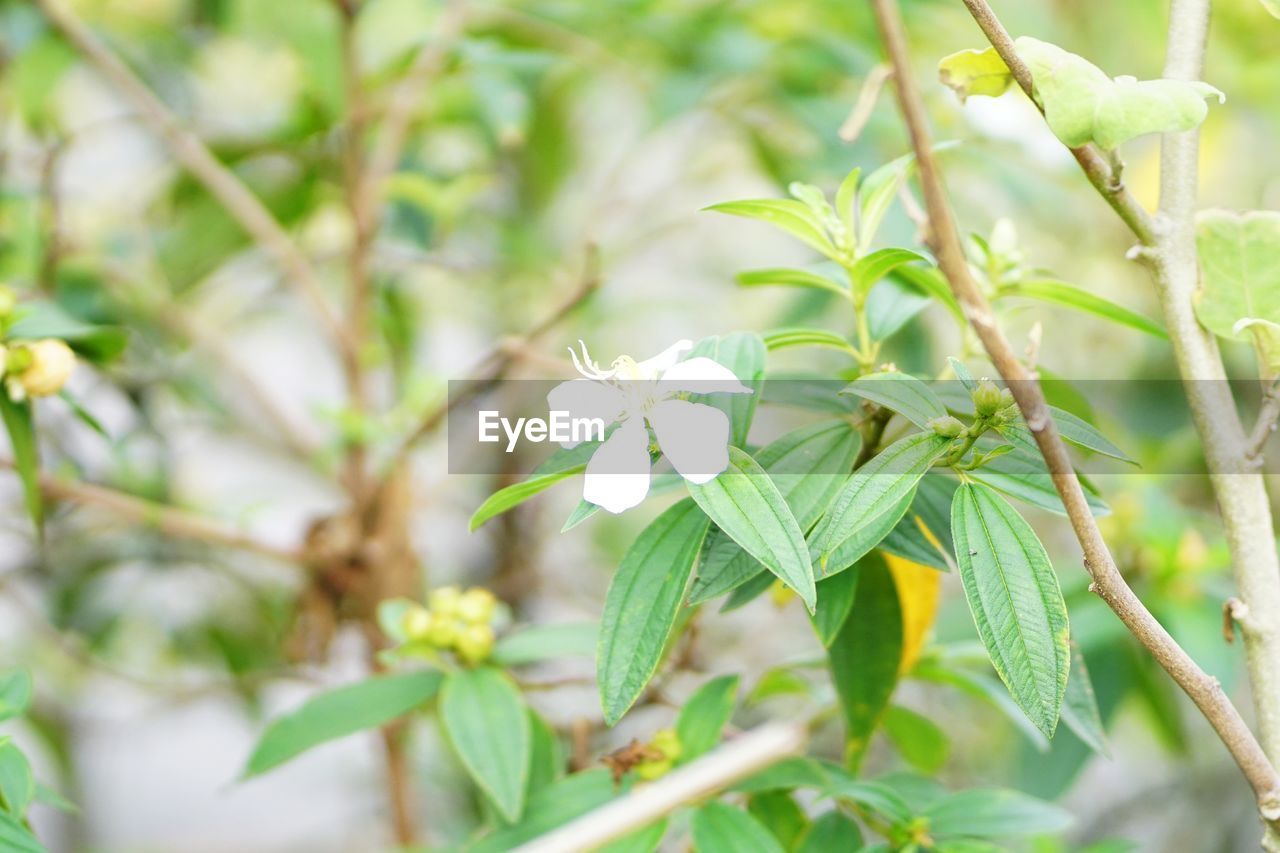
{"x":1082,"y":104}
{"x":705,"y":715}
{"x":517,"y":493}
{"x":891,"y":305}
{"x":864,"y":538}
{"x":16,"y":838}
{"x":1075,"y":430}
{"x":987,"y":690}
{"x":975,"y":72}
{"x":550,"y":807}
{"x":869,"y":269}
{"x":924,"y":533}
{"x":866,"y":655}
{"x":346,"y":710}
{"x":642,"y":603}
{"x":917,"y":738}
{"x":796,"y":336}
{"x":488,"y":725}
{"x":717,"y":826}
{"x":830,"y":832}
{"x":779,"y":812}
{"x":993,"y":813}
{"x":835,"y":600}
{"x":789,"y":773}
{"x":49,"y":797}
{"x":1080,"y":707}
{"x":546,"y":756}
{"x":1240,"y":282}
{"x":1016,"y":603}
{"x":746,"y":505}
{"x":15,"y":693}
{"x":47,"y":320}
{"x":546,"y":642}
{"x":744,"y":354}
{"x":20,"y":423}
{"x":1023,"y":476}
{"x":1070,"y":296}
{"x":847,"y":199}
{"x":17,"y":784}
{"x":883,"y":483}
{"x":791,"y":216}
{"x":876,"y":194}
{"x":901,"y":392}
{"x":645,"y":840}
{"x":805,"y":465}
{"x":930,"y":282}
{"x":783,"y":277}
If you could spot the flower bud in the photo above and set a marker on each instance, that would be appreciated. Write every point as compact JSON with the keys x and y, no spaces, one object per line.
{"x":474,"y":643}
{"x":51,"y":363}
{"x":665,"y":743}
{"x":986,"y":398}
{"x":444,"y":602}
{"x":946,"y":426}
{"x":416,"y":623}
{"x":8,"y":301}
{"x":476,"y":606}
{"x":442,"y":633}
{"x":1006,"y":398}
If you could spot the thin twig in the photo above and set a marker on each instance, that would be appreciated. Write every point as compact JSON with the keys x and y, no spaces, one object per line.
{"x":1108,"y":583}
{"x":866,"y":103}
{"x":191,"y":152}
{"x":708,"y":775}
{"x":1265,"y":427}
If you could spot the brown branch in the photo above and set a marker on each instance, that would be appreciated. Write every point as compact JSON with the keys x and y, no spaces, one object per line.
{"x":1108,"y":583}
{"x":1092,"y":162}
{"x":191,"y":152}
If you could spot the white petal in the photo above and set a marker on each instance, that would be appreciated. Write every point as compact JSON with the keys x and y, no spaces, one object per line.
{"x":618,"y":473}
{"x":693,"y":437}
{"x":703,"y":376}
{"x":654,"y":367}
{"x":582,"y":398}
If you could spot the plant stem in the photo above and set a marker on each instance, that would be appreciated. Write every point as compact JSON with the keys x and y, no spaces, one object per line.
{"x":1108,"y":583}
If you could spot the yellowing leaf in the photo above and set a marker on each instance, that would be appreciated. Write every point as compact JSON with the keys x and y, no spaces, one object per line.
{"x":975,"y":72}
{"x":1239,"y":294}
{"x":918,"y":588}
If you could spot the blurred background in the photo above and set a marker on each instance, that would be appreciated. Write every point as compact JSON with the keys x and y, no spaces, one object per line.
{"x":549,"y":127}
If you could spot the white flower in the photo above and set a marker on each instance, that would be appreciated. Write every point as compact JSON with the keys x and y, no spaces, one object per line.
{"x":694,"y":437}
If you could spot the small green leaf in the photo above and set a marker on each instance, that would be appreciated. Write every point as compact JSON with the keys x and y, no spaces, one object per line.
{"x":917,"y":738}
{"x":1080,"y":707}
{"x":901,"y":392}
{"x":705,"y":715}
{"x":20,"y":423}
{"x":746,"y":505}
{"x":642,"y":603}
{"x":17,"y":784}
{"x":791,"y":216}
{"x":1016,"y":603}
{"x":16,"y":838}
{"x":546,"y":642}
{"x":717,"y":826}
{"x":830,"y":832}
{"x":883,"y":483}
{"x":743,"y":353}
{"x":847,"y":199}
{"x":517,"y":493}
{"x":975,"y":72}
{"x":993,"y":813}
{"x":1240,"y":282}
{"x":779,"y":339}
{"x":15,"y":693}
{"x":49,"y":797}
{"x":346,"y":710}
{"x":47,"y":320}
{"x":835,"y":600}
{"x":876,"y":194}
{"x":871,"y":268}
{"x":782,"y":277}
{"x":781,"y":815}
{"x":488,"y":725}
{"x":1070,"y":296}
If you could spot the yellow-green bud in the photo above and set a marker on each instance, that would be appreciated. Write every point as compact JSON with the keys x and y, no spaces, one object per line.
{"x":476,"y":606}
{"x":1006,"y":398}
{"x":946,"y":426}
{"x":416,"y":623}
{"x":443,"y":633}
{"x":444,"y":602}
{"x":665,"y":743}
{"x":474,"y":643}
{"x":8,"y":301}
{"x":650,"y":770}
{"x":986,"y":398}
{"x":51,"y":363}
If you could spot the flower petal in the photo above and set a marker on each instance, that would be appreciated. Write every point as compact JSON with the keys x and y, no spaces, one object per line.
{"x":703,"y":376}
{"x":654,"y":367}
{"x":618,"y":473}
{"x":582,"y":398}
{"x":693,"y":437}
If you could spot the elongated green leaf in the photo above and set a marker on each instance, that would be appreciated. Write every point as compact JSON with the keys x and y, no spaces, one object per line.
{"x":924,"y":533}
{"x":865,"y":538}
{"x":488,"y":725}
{"x":1075,"y":430}
{"x":1080,"y":707}
{"x":876,"y":194}
{"x":748,"y":592}
{"x":986,"y":689}
{"x":20,"y":423}
{"x":744,"y":354}
{"x":746,"y":505}
{"x":340,"y":712}
{"x":883,"y":483}
{"x":546,"y":755}
{"x":645,"y":840}
{"x":805,"y":464}
{"x":48,"y":320}
{"x":791,"y":216}
{"x":717,"y":826}
{"x":517,"y":493}
{"x":891,"y":305}
{"x":993,"y":814}
{"x":15,"y":693}
{"x":1024,"y":476}
{"x":1070,"y":296}
{"x":16,"y":838}
{"x":1239,"y":296}
{"x":869,"y":269}
{"x":778,"y":812}
{"x":917,"y":738}
{"x":785,"y":277}
{"x":835,"y":600}
{"x":779,"y":339}
{"x":847,"y":199}
{"x":831,"y":831}
{"x":705,"y":715}
{"x":17,"y":784}
{"x":901,"y":392}
{"x":1016,"y":603}
{"x":929,"y":281}
{"x":641,"y":605}
{"x":550,"y":807}
{"x":546,"y":642}
{"x":866,"y":655}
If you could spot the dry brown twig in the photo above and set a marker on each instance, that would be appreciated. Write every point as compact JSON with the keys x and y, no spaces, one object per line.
{"x":1108,"y":583}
